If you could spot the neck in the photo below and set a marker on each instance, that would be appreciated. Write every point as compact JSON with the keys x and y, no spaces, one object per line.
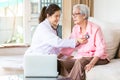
{"x":54,"y":27}
{"x":83,"y":26}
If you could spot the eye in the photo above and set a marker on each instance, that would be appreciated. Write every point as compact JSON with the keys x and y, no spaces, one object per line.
{"x":75,"y":14}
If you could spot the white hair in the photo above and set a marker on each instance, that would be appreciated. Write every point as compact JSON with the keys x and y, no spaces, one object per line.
{"x":84,"y":10}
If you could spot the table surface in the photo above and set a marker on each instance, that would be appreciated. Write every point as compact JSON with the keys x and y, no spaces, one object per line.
{"x":21,"y":77}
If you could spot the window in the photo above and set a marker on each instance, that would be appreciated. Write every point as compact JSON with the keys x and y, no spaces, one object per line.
{"x":19,"y":19}
{"x":11,"y":21}
{"x":47,"y":2}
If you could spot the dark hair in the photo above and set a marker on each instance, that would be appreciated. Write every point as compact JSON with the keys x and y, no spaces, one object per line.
{"x":50,"y":10}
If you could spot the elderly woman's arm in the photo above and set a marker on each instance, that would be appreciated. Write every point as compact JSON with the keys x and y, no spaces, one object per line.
{"x":92,"y":63}
{"x":100,"y":49}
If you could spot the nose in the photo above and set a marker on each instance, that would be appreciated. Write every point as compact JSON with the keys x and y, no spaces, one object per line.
{"x":58,"y":18}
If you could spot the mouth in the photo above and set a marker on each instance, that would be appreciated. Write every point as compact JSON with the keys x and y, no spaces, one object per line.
{"x":56,"y":21}
{"x":74,"y":20}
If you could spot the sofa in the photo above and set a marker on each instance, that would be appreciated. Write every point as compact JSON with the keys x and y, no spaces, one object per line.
{"x":110,"y":71}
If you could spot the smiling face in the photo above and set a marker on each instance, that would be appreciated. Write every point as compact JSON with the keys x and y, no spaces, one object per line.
{"x":78,"y":18}
{"x":54,"y":19}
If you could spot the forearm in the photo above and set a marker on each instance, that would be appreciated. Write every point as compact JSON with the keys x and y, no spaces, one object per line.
{"x":91,"y":64}
{"x":69,"y":57}
{"x":94,"y":60}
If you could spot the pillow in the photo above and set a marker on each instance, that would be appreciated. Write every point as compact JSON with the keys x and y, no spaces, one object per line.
{"x":111,"y":34}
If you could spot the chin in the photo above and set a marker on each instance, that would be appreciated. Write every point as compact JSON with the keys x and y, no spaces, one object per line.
{"x":56,"y":24}
{"x":75,"y":23}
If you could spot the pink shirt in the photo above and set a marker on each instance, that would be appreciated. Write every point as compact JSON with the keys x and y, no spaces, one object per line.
{"x":95,"y":45}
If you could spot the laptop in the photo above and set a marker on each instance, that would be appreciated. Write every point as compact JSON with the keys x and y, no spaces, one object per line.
{"x":36,"y":65}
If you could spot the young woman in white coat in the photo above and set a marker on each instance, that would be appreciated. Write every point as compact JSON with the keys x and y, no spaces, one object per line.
{"x":45,"y":39}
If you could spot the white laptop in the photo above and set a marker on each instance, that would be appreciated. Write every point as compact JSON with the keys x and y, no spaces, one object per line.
{"x":36,"y":65}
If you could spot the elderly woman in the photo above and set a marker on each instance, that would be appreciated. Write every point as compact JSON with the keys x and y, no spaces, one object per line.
{"x":90,"y":51}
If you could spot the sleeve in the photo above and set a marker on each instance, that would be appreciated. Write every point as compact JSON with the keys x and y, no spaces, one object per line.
{"x":53,"y":40}
{"x":99,"y":43}
{"x":68,"y":51}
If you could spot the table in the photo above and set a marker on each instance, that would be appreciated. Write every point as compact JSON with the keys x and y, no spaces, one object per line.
{"x":21,"y":77}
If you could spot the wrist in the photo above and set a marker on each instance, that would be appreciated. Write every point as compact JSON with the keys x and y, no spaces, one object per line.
{"x":77,"y":43}
{"x":60,"y":55}
{"x":91,"y":64}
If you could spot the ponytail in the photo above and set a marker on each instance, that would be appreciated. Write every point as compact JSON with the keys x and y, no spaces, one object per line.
{"x":50,"y":10}
{"x":42,"y":14}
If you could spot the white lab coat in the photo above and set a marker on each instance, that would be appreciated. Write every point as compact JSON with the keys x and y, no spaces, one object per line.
{"x":46,"y":41}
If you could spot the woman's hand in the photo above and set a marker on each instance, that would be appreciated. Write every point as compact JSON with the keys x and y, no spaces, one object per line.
{"x":69,"y":57}
{"x":91,"y":64}
{"x":60,"y":56}
{"x":88,"y":67}
{"x":82,"y":40}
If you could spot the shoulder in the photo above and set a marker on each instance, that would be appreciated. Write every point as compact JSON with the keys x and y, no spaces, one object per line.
{"x":94,"y":26}
{"x":75,"y":27}
{"x":43,"y":25}
{"x":41,"y":28}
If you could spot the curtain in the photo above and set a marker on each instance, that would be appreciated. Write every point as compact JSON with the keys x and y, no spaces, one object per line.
{"x":89,"y":3}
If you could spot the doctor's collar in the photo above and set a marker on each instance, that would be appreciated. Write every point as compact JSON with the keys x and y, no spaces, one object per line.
{"x":55,"y":28}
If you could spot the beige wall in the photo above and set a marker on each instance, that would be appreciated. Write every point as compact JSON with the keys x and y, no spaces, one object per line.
{"x":67,"y":17}
{"x":109,"y":11}
{"x":66,"y":20}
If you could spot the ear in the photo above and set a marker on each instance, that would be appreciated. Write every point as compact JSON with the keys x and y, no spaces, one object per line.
{"x":47,"y":15}
{"x":84,"y":17}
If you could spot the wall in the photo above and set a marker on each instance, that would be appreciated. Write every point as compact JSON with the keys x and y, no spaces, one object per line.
{"x":66,"y":21}
{"x":107,"y":10}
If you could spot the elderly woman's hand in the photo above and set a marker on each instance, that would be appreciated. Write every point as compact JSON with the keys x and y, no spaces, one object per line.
{"x":82,"y":40}
{"x":91,"y":64}
{"x":88,"y":67}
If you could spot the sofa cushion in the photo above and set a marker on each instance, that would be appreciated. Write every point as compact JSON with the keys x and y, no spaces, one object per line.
{"x":110,"y":71}
{"x":111,"y":33}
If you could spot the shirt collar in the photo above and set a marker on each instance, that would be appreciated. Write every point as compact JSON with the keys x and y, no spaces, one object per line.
{"x":88,"y":28}
{"x":49,"y":24}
